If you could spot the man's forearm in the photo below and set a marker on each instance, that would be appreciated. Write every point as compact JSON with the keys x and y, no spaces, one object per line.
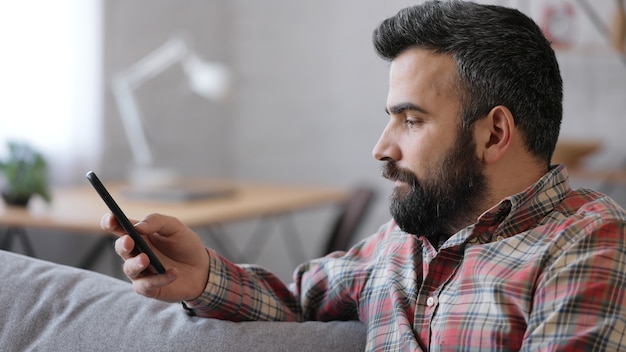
{"x":244,"y":293}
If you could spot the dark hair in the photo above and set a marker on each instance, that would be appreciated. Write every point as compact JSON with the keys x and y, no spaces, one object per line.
{"x":502,"y":58}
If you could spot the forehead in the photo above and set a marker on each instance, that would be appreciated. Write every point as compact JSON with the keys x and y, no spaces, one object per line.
{"x":422,"y":74}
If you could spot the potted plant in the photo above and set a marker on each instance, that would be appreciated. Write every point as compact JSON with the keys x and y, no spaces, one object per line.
{"x":26,"y":174}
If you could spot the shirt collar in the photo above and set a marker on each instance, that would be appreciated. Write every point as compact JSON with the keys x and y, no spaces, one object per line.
{"x":517,"y":213}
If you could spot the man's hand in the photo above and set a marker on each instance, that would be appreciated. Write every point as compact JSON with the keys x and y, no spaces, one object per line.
{"x":179,"y":249}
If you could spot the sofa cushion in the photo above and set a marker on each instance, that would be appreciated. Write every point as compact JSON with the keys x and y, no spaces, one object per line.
{"x":51,"y":307}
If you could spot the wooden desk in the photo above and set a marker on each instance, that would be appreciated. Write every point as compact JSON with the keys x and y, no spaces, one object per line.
{"x":79,"y":209}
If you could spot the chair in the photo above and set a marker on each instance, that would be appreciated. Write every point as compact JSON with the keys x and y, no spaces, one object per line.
{"x":349,"y":219}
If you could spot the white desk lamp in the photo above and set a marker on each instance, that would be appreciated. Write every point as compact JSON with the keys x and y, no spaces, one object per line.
{"x":208,"y":79}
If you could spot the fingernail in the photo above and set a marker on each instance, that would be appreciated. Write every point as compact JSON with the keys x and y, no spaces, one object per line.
{"x":104,"y":221}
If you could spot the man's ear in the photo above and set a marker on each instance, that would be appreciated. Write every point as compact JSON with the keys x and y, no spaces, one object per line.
{"x":494,"y":134}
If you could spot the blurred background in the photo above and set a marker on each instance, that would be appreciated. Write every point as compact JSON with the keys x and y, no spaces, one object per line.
{"x":273,"y":91}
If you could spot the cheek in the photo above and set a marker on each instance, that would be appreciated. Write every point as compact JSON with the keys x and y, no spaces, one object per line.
{"x":422,"y":159}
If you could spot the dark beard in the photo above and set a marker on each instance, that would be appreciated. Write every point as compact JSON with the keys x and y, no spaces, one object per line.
{"x":449,"y":198}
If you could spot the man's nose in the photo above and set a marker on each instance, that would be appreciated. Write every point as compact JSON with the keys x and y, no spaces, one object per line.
{"x":386,"y":148}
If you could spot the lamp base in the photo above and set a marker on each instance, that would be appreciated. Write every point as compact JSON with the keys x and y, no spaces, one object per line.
{"x":145,"y":176}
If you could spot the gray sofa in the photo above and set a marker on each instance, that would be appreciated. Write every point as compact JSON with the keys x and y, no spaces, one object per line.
{"x":50,"y":307}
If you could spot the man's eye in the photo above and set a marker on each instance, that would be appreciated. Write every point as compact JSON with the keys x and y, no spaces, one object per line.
{"x":412,"y":122}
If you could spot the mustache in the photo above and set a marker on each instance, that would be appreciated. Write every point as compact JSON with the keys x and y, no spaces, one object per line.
{"x":391,"y":171}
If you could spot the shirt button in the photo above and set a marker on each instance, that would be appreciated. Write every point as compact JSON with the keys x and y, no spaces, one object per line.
{"x":430,"y":301}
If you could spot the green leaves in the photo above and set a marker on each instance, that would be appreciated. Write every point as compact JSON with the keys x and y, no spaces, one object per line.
{"x":26,"y":172}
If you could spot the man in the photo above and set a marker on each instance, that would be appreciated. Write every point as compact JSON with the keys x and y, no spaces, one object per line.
{"x":489,"y":247}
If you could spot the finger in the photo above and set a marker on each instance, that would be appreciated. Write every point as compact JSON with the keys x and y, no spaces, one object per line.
{"x":162,"y":224}
{"x":125,"y":247}
{"x":136,"y":267}
{"x":151,"y":285}
{"x":109,"y":224}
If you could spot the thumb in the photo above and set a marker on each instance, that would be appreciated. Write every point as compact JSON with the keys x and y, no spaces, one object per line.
{"x":164,"y":225}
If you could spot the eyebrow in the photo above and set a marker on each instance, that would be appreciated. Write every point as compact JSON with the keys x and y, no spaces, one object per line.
{"x":402,"y":107}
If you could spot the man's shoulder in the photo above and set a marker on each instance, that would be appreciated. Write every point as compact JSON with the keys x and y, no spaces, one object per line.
{"x":590,"y":203}
{"x":589,"y":216}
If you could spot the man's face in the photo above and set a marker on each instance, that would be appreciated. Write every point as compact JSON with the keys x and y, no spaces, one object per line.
{"x":439,"y":179}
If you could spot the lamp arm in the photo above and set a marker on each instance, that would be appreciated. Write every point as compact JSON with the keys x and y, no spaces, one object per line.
{"x":125,"y":82}
{"x":168,"y":54}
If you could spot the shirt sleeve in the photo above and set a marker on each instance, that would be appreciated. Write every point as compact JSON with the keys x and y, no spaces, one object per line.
{"x":244,"y":293}
{"x":323,"y":289}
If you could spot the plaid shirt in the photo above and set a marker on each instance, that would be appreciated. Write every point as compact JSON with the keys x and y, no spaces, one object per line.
{"x":544,"y":269}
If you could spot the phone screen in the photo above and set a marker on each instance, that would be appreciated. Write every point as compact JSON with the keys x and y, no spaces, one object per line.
{"x":140,"y":244}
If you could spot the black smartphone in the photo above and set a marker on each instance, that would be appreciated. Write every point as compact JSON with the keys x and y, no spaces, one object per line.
{"x":140,"y":244}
